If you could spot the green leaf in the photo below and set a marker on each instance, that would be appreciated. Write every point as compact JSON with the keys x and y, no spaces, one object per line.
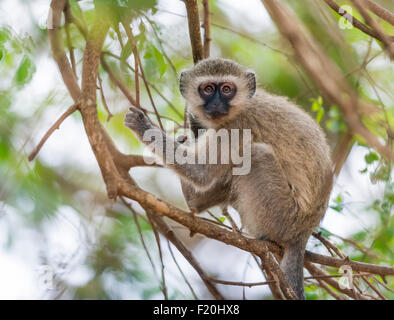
{"x":371,"y":157}
{"x":160,"y":61}
{"x":320,"y":115}
{"x":75,"y":8}
{"x":155,"y":60}
{"x":336,"y":125}
{"x":317,"y":106}
{"x":126,"y":51}
{"x":338,"y":204}
{"x":222,"y":219}
{"x":5,"y":35}
{"x":25,"y":71}
{"x":142,"y":27}
{"x":334,"y":112}
{"x":317,"y":103}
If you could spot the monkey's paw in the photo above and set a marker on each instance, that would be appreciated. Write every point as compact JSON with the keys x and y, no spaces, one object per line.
{"x":137,"y":121}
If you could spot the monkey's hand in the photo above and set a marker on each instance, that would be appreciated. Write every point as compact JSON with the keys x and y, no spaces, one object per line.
{"x":137,"y":121}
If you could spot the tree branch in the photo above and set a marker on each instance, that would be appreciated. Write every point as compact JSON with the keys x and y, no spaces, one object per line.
{"x":56,"y":40}
{"x":326,"y":74}
{"x":193,"y":20}
{"x":170,"y":104}
{"x":354,"y":21}
{"x":118,"y":83}
{"x":207,"y":29}
{"x":386,"y":40}
{"x":332,"y":282}
{"x":210,"y":230}
{"x":380,"y":11}
{"x":166,"y":231}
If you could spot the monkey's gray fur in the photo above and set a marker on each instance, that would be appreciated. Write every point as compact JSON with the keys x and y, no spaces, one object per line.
{"x":286,"y":193}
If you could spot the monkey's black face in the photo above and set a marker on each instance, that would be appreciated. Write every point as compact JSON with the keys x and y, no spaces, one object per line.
{"x":217,"y":97}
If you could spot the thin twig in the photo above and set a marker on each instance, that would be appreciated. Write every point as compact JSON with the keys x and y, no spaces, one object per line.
{"x":254,"y":284}
{"x":170,"y":104}
{"x":180,"y":271}
{"x":131,"y":38}
{"x":55,"y":126}
{"x":154,"y":28}
{"x":119,"y":35}
{"x":330,"y":291}
{"x":246,"y":36}
{"x":233,"y":225}
{"x":383,"y":285}
{"x":381,"y":296}
{"x":67,"y":14}
{"x":109,"y":114}
{"x":135,"y":216}
{"x":157,"y":237}
{"x":330,"y":247}
{"x":137,"y":81}
{"x":170,"y":235}
{"x":118,"y":82}
{"x":242,"y":284}
{"x":386,"y":40}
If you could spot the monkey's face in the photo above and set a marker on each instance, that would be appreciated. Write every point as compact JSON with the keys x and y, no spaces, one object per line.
{"x":216,"y":98}
{"x":216,"y":90}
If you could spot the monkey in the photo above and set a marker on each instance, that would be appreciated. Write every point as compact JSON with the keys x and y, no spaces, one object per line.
{"x":285,"y":195}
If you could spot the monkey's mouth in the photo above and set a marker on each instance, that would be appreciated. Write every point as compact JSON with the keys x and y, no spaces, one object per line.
{"x":215,"y":115}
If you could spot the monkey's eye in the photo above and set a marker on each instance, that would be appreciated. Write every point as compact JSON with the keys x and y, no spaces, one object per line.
{"x":227,"y":88}
{"x":208,"y":88}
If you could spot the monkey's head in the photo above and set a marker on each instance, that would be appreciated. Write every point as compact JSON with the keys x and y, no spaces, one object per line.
{"x":216,"y":89}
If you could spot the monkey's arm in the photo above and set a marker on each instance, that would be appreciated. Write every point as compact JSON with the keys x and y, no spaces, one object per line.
{"x":201,"y":176}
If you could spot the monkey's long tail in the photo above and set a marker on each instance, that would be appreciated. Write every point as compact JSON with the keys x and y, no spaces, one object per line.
{"x":292,"y":265}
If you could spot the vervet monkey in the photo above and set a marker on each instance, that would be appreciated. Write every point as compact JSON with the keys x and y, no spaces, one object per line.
{"x":285,"y":194}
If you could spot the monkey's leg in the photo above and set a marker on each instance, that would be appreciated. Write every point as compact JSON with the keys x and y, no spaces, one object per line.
{"x":265,"y":199}
{"x":268,"y":208}
{"x":200,"y":201}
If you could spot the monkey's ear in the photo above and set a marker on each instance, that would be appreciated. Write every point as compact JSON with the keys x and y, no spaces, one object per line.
{"x":182,"y":82}
{"x":251,"y":80}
